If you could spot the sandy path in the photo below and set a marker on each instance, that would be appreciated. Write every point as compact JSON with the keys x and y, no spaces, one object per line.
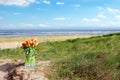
{"x":5,"y":45}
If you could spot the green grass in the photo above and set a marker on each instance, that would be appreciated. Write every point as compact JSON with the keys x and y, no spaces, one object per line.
{"x":94,"y":58}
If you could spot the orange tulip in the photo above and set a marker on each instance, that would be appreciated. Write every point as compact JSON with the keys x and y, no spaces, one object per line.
{"x":36,"y":43}
{"x":29,"y":43}
{"x":33,"y":46}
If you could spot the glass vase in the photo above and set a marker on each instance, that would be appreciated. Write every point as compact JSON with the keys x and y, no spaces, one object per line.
{"x":30,"y":58}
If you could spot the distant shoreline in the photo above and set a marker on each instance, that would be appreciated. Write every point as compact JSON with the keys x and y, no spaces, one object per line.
{"x":14,"y":33}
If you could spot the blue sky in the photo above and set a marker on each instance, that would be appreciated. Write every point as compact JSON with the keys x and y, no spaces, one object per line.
{"x":59,"y":14}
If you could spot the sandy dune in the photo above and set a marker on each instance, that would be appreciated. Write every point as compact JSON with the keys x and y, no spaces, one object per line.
{"x":13,"y":42}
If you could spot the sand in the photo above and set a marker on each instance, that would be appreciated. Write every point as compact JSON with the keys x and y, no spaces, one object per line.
{"x":5,"y":45}
{"x":15,"y":70}
{"x":13,"y":42}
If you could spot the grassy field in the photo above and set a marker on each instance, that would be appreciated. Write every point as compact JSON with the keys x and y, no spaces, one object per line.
{"x":94,"y":58}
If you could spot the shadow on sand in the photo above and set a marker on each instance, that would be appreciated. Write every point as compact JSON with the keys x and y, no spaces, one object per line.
{"x":9,"y":69}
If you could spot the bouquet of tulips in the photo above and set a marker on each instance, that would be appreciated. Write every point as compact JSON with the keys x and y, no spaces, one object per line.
{"x":29,"y":47}
{"x":29,"y":43}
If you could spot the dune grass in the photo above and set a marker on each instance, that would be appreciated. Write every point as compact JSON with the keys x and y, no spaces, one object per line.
{"x":94,"y":58}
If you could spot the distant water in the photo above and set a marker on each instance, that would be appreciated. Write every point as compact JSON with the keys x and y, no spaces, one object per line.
{"x":52,"y":32}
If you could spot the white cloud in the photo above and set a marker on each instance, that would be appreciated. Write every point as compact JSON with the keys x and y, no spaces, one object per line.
{"x":33,"y":25}
{"x":59,"y":3}
{"x":101,"y":16}
{"x":1,"y":18}
{"x":22,"y":25}
{"x":7,"y":26}
{"x":113,"y":11}
{"x":95,"y":20}
{"x":86,"y":19}
{"x":37,"y":2}
{"x":91,"y":20}
{"x":108,"y":10}
{"x":117,"y":17}
{"x":46,"y":1}
{"x":112,"y":23}
{"x":59,"y":18}
{"x":100,"y":8}
{"x":77,"y":5}
{"x":42,"y":25}
{"x":22,"y":3}
{"x":106,"y":17}
{"x":16,"y":13}
{"x":27,"y":25}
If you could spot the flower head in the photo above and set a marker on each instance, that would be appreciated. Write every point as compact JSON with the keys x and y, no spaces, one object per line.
{"x":29,"y":43}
